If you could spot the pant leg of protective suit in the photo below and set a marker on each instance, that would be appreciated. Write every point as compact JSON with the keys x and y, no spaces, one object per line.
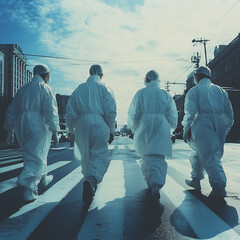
{"x":197,"y":166}
{"x":31,"y":173}
{"x":211,"y":152}
{"x":145,"y":170}
{"x":99,"y":160}
{"x":214,"y":169}
{"x":209,"y":140}
{"x":157,"y":169}
{"x":35,"y":150}
{"x":82,"y":151}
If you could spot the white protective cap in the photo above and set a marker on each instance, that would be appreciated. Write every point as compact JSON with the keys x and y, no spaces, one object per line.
{"x":203,"y":70}
{"x":40,"y":69}
{"x":152,"y":75}
{"x":95,"y":70}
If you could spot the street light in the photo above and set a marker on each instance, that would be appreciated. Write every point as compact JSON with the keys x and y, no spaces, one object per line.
{"x":204,"y":41}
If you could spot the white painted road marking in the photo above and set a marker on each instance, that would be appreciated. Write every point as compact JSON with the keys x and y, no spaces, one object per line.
{"x":10,"y":168}
{"x":101,"y":222}
{"x":11,"y":161}
{"x":21,"y":224}
{"x":205,"y":223}
{"x":11,"y":183}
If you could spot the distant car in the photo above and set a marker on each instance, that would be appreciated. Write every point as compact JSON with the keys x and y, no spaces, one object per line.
{"x":117,"y":133}
{"x":178,"y":135}
{"x":63,"y":137}
{"x":131,"y":135}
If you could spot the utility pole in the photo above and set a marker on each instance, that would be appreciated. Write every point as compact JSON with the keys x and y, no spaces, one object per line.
{"x":203,"y":41}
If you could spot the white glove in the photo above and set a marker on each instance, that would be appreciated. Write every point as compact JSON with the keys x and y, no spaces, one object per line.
{"x":55,"y":139}
{"x":10,"y":137}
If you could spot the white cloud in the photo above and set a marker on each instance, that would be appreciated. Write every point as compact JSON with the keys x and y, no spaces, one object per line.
{"x":157,"y":35}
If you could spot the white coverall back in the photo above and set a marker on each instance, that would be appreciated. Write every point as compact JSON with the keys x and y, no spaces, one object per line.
{"x":209,"y":114}
{"x":34,"y":116}
{"x":91,"y":110}
{"x":151,"y":116}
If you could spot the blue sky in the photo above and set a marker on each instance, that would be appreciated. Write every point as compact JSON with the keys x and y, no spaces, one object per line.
{"x":128,"y":38}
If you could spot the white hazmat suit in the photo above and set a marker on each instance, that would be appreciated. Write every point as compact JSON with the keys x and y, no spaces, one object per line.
{"x":91,"y":113}
{"x":33,"y":115}
{"x":209,"y":117}
{"x":151,"y":116}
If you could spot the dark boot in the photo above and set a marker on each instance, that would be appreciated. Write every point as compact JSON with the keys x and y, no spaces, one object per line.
{"x":89,"y":189}
{"x":195,"y":183}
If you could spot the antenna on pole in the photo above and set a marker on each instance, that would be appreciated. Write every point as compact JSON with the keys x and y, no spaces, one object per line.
{"x":203,"y":41}
{"x":196,"y":59}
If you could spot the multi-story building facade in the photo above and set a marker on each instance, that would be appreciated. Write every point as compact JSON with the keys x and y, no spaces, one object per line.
{"x":13,"y":75}
{"x":225,"y":69}
{"x":16,"y":73}
{"x":1,"y":74}
{"x":62,"y":101}
{"x":225,"y":66}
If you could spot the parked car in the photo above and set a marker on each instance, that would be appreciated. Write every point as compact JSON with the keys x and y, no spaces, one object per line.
{"x":117,"y":133}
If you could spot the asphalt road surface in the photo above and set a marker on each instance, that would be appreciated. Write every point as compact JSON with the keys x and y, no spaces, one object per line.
{"x":122,"y":207}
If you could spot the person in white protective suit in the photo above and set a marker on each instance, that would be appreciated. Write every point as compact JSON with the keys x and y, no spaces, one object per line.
{"x":33,"y":115}
{"x":90,"y":116}
{"x":208,"y":119}
{"x":151,"y":116}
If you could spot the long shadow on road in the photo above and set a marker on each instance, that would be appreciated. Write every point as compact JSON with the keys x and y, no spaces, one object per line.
{"x":142,"y":213}
{"x":227,"y":213}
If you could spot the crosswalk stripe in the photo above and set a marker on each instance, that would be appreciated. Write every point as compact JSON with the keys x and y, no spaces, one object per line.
{"x":110,"y":147}
{"x":121,"y":147}
{"x":11,"y":161}
{"x":10,"y":156}
{"x":21,"y":224}
{"x":10,"y":168}
{"x":228,"y":167}
{"x":114,"y":180}
{"x":180,"y":165}
{"x":9,"y":150}
{"x":8,"y":184}
{"x":58,"y":148}
{"x":130,"y":146}
{"x":11,"y":183}
{"x":205,"y":224}
{"x":185,"y":167}
{"x":232,"y":171}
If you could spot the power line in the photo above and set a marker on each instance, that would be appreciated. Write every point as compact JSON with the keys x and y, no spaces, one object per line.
{"x":230,"y":9}
{"x":218,"y":40}
{"x":114,"y":62}
{"x":222,"y":20}
{"x":163,"y":59}
{"x":64,"y":58}
{"x":183,"y":73}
